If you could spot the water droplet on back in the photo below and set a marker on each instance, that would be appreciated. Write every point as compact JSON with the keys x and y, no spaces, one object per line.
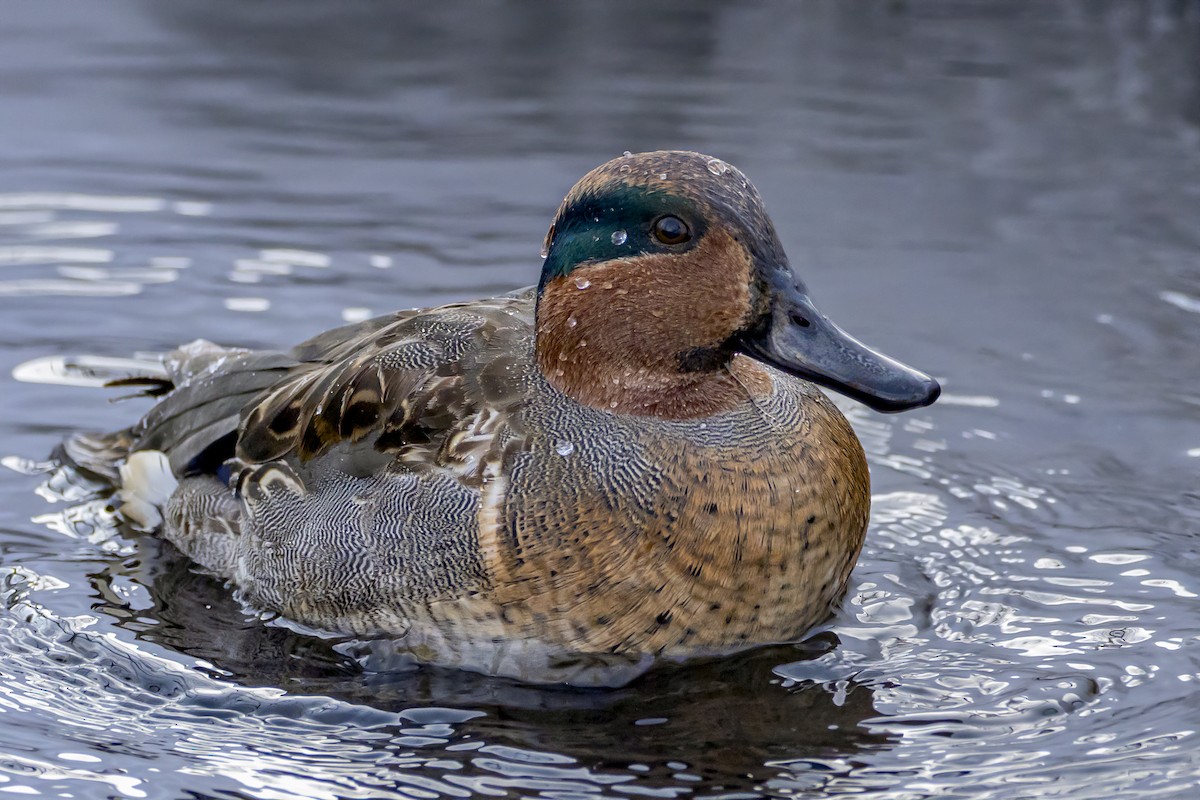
{"x":564,"y":449}
{"x":627,"y":154}
{"x":582,"y":283}
{"x":571,"y":321}
{"x":619,"y":237}
{"x":624,"y":169}
{"x":717,"y":167}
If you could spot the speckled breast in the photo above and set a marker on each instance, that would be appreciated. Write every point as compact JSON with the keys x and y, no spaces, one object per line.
{"x":616,"y":533}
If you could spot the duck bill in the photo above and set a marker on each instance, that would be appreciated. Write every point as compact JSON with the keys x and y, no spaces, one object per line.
{"x":800,"y":340}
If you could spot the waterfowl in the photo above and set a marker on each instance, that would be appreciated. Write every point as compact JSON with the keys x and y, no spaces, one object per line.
{"x":629,"y":462}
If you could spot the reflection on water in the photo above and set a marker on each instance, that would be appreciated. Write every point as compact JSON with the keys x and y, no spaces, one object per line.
{"x":1005,"y":192}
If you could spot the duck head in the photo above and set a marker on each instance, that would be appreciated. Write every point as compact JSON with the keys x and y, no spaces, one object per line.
{"x":664,"y":282}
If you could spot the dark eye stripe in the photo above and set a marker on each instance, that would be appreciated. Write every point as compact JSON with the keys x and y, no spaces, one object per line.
{"x":583,"y":230}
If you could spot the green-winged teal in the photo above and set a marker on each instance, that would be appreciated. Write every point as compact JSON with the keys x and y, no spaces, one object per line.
{"x":631,"y":461}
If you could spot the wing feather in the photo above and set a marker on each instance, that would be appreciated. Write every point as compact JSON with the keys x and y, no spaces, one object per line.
{"x":418,"y":385}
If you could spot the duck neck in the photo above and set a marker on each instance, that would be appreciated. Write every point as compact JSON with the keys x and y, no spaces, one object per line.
{"x":597,"y":344}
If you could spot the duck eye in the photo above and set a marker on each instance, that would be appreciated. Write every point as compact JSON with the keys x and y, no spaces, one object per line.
{"x":671,"y":230}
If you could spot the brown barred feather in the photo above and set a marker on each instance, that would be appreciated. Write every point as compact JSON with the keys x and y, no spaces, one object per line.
{"x":399,"y":383}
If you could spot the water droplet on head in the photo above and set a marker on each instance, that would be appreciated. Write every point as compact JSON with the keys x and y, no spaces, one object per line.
{"x":619,"y":237}
{"x":717,"y":167}
{"x":582,"y":283}
{"x":545,"y":252}
{"x":571,"y":321}
{"x":564,"y":449}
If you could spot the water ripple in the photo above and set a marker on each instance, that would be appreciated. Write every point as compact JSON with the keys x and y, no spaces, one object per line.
{"x":1003,"y":193}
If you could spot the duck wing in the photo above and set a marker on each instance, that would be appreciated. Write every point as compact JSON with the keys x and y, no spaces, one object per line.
{"x":431,"y":387}
{"x":428,"y":387}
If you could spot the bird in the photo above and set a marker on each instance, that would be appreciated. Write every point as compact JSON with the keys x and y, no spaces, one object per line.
{"x":631,"y":463}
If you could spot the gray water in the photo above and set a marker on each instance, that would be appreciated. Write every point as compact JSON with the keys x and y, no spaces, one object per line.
{"x":1006,"y":194}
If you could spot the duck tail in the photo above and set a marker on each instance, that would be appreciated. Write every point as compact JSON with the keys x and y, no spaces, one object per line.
{"x":141,"y":480}
{"x":97,"y":455}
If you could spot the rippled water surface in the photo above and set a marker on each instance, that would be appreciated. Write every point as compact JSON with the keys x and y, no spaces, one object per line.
{"x":1004,"y":193}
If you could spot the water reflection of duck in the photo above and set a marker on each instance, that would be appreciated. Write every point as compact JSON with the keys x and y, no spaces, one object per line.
{"x":629,"y":462}
{"x":728,"y":718}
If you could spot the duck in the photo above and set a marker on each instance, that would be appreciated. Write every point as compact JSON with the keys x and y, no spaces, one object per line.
{"x":632,"y":462}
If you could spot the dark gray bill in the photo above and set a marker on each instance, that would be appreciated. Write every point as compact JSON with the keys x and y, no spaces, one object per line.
{"x":800,"y":340}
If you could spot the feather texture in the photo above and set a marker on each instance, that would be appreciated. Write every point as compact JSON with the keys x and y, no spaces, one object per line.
{"x":561,"y":484}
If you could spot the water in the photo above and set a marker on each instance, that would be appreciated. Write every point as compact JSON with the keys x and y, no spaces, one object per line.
{"x":1006,"y":194}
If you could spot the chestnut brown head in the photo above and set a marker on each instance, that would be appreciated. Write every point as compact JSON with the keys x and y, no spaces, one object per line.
{"x":667,"y":262}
